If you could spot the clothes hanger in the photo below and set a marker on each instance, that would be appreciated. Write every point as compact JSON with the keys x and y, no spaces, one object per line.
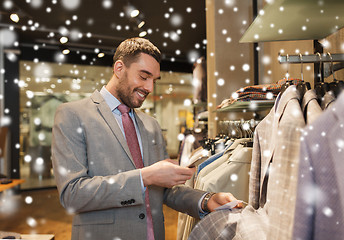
{"x":287,"y":83}
{"x":241,"y":132}
{"x":302,"y":87}
{"x":321,"y":87}
{"x":249,"y":134}
{"x":333,"y":85}
{"x":232,"y":132}
{"x":336,"y":86}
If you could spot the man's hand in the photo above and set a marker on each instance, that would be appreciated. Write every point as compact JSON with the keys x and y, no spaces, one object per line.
{"x":220,"y":199}
{"x":166,"y":173}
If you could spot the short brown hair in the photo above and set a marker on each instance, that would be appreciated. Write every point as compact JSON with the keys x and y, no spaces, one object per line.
{"x":129,"y":50}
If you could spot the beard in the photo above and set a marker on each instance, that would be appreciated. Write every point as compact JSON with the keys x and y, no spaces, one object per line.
{"x":126,"y":99}
{"x":127,"y":95}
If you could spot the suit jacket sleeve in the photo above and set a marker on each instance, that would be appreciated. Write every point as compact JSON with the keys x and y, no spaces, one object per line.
{"x":184,"y":199}
{"x":80,"y":190}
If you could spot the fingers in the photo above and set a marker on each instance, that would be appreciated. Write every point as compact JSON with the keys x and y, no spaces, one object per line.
{"x":193,"y":169}
{"x":186,"y":171}
{"x":239,"y":205}
{"x":166,"y":173}
{"x":220,"y":199}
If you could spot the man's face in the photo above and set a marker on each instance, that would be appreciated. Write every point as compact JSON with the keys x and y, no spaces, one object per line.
{"x":138,"y":80}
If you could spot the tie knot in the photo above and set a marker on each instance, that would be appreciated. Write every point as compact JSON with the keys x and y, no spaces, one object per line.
{"x":123,"y":108}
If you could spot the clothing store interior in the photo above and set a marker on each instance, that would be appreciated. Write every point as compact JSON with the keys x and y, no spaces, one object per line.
{"x":250,"y":94}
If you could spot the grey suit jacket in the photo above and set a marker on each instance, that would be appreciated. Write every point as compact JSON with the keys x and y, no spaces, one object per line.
{"x":96,"y":177}
{"x":319,"y":213}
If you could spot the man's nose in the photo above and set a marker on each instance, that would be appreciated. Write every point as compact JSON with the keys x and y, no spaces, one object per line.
{"x":149,"y":85}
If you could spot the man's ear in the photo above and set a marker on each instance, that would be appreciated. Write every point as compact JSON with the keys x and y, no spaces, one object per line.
{"x":118,"y":68}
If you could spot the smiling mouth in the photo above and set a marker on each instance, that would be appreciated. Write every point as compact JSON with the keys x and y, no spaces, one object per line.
{"x":142,"y":94}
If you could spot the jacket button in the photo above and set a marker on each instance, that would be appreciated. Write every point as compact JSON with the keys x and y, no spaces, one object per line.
{"x":142,"y":216}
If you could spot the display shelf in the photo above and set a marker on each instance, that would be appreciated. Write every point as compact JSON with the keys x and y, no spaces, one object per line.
{"x":251,"y":106}
{"x":285,"y":20}
{"x":37,"y":236}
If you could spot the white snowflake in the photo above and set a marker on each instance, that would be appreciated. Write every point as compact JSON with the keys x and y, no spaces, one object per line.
{"x":70,"y":4}
{"x":234,"y":177}
{"x":28,"y":200}
{"x":31,"y":222}
{"x":340,"y":143}
{"x":327,"y":211}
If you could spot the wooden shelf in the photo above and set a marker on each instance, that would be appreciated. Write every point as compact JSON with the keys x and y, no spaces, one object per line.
{"x":15,"y":182}
{"x":251,"y":106}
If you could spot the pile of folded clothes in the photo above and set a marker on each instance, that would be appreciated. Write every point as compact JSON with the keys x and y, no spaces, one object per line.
{"x":257,"y":92}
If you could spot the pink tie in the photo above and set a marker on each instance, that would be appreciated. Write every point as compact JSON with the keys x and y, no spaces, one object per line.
{"x":134,"y":147}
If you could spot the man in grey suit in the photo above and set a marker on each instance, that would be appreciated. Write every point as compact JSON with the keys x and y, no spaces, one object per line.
{"x":98,"y":178}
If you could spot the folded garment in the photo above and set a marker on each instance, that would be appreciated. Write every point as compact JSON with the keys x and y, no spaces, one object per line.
{"x":9,"y":235}
{"x":257,"y":92}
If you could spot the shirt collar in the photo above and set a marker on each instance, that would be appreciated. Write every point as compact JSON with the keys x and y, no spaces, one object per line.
{"x":112,"y":101}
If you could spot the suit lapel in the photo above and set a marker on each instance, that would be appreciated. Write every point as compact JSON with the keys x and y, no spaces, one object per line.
{"x":106,"y":113}
{"x":144,"y":137}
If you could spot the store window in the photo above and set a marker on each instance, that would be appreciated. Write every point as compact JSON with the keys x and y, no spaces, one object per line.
{"x":44,"y":86}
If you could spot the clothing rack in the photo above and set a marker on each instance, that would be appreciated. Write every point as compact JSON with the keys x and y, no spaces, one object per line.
{"x":237,"y":128}
{"x":318,"y":59}
{"x":311,"y":58}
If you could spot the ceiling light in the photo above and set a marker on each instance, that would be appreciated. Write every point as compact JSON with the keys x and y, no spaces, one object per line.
{"x":100,"y":55}
{"x":66,"y":51}
{"x":134,"y":13}
{"x":14,"y":17}
{"x":143,"y":33}
{"x":141,"y":24}
{"x":63,"y":40}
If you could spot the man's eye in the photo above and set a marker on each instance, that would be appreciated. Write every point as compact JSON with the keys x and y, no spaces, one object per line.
{"x":144,"y":78}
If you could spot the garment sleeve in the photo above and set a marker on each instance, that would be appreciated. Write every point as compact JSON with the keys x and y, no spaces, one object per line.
{"x":184,"y":199}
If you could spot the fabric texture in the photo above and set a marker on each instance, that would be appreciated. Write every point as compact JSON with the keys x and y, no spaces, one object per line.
{"x":320,"y":194}
{"x":245,"y":224}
